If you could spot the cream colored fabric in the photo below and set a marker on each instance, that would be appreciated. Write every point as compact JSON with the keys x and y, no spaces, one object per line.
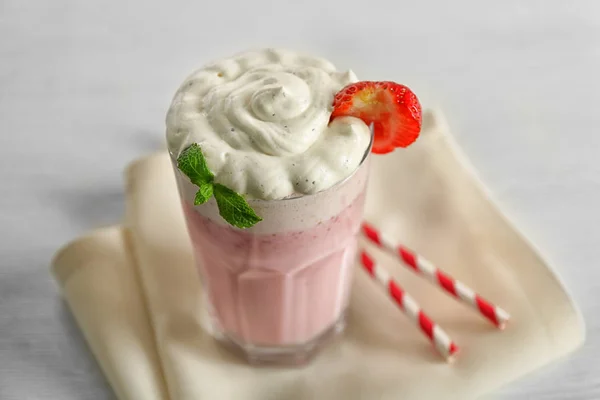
{"x":427,"y":199}
{"x":98,"y":279}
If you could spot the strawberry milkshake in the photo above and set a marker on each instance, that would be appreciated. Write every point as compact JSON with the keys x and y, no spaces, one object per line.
{"x":272,"y":177}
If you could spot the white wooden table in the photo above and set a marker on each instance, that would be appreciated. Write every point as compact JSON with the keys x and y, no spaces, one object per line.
{"x":84,"y":87}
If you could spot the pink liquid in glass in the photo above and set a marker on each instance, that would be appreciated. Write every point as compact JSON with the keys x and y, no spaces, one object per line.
{"x":279,"y":290}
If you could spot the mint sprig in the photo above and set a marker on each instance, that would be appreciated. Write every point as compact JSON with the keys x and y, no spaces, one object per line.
{"x":191,"y":162}
{"x":232,"y":206}
{"x":204,"y":193}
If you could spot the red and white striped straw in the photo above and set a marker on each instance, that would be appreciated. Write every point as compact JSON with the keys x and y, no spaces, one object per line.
{"x":459,"y":290}
{"x":441,"y":341}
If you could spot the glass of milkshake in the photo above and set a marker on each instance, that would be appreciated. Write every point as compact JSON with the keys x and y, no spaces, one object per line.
{"x":276,"y":290}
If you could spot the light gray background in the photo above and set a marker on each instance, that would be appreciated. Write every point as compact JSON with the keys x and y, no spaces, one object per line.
{"x":84,"y":87}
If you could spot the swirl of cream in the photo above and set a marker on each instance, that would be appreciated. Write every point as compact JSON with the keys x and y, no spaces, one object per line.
{"x":261,"y":119}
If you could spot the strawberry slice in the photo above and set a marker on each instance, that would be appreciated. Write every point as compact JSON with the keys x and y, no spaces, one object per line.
{"x":393,"y":109}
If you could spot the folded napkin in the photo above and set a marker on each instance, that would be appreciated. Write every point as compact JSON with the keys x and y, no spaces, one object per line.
{"x":98,"y":279}
{"x":424,"y":197}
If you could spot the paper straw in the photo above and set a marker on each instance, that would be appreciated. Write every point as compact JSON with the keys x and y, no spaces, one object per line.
{"x":441,"y":341}
{"x":457,"y":289}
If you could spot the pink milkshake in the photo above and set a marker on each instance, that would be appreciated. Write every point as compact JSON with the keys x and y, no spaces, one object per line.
{"x":278,"y":289}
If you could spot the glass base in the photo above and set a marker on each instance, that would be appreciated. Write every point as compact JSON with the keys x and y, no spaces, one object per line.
{"x":291,"y":356}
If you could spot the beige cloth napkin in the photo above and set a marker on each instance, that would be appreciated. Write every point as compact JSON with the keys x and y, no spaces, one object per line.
{"x":425,"y":197}
{"x":98,"y":279}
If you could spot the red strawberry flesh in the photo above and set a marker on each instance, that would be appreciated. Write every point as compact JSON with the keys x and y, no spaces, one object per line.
{"x":393,"y":109}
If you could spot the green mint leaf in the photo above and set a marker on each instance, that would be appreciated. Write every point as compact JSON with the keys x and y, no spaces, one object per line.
{"x":234,"y":208}
{"x":204,"y":193}
{"x":191,"y":162}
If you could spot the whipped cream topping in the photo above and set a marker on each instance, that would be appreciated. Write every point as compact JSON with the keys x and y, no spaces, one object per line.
{"x":261,"y":119}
